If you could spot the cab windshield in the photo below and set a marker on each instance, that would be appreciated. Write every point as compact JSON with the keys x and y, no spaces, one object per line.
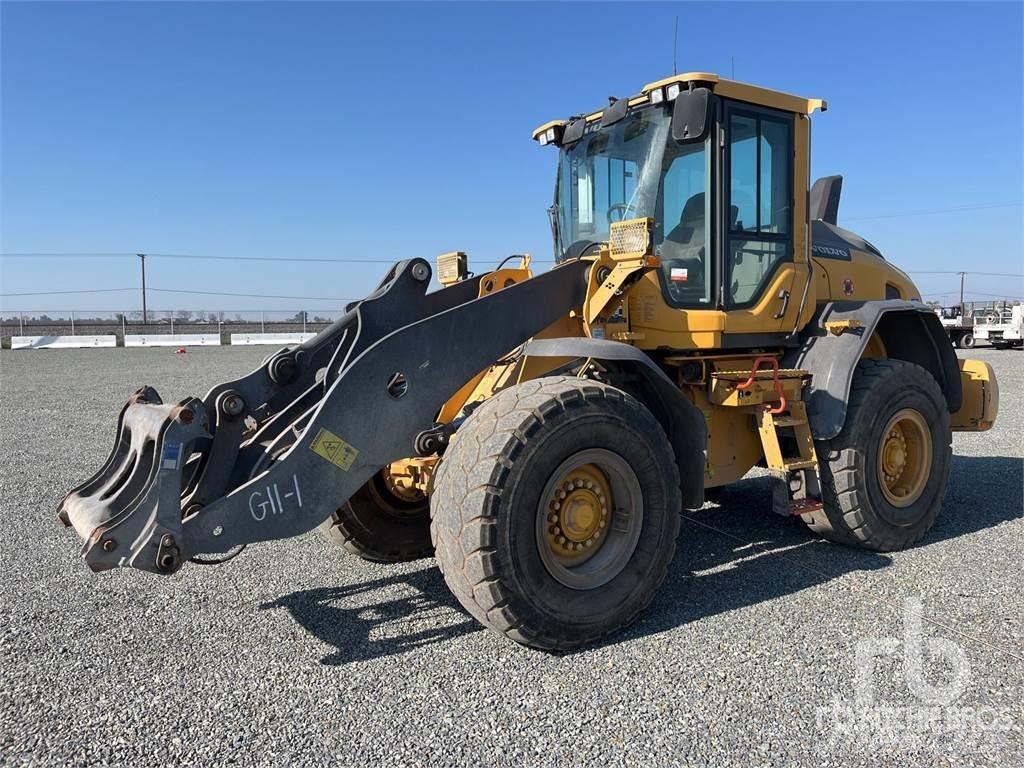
{"x":630,"y":170}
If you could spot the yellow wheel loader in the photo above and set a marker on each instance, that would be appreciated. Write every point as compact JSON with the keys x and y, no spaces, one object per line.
{"x":540,"y":434}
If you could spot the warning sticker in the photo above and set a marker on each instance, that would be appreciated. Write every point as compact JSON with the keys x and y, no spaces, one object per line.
{"x":678,"y":275}
{"x":334,"y":449}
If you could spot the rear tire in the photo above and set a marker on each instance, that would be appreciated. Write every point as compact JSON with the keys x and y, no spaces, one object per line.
{"x":377,"y":525}
{"x":967,"y":341}
{"x":884,"y":475}
{"x":511,"y":525}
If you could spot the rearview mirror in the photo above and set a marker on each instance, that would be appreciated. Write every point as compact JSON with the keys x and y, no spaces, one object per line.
{"x":691,"y":115}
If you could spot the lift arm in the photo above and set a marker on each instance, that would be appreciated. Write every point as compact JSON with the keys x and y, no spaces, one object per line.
{"x":273,"y":454}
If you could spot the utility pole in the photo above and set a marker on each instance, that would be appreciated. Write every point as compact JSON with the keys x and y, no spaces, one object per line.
{"x":962,"y":309}
{"x":142,"y":258}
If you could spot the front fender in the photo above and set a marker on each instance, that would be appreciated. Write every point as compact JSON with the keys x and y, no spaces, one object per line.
{"x":682,"y":421}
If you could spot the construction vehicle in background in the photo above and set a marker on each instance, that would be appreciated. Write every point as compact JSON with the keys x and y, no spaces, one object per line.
{"x":958,"y":325}
{"x":540,"y":433}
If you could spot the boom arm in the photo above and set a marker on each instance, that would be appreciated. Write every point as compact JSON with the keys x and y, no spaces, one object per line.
{"x":272,"y":454}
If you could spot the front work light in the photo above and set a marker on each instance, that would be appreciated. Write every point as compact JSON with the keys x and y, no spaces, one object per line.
{"x":452,"y":268}
{"x":657,"y":96}
{"x":672,"y":91}
{"x":549,"y":133}
{"x":632,"y":239}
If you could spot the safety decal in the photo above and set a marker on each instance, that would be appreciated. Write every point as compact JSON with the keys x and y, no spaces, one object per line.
{"x":679,"y":275}
{"x":328,"y":445}
{"x":171,"y":456}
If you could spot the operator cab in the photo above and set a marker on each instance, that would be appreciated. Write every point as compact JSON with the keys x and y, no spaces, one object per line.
{"x":716,"y":165}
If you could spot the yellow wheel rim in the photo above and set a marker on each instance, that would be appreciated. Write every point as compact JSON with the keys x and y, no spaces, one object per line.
{"x":401,"y":484}
{"x":904,"y":458}
{"x":589,"y":519}
{"x":578,"y":514}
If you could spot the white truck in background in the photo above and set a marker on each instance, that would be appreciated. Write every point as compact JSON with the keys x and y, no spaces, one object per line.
{"x":958,"y":325}
{"x":1002,"y":327}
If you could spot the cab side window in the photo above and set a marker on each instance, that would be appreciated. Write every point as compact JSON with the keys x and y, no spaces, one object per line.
{"x":760,"y":201}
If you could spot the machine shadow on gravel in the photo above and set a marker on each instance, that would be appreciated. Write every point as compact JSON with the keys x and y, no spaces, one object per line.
{"x":381,"y":617}
{"x":730,"y":555}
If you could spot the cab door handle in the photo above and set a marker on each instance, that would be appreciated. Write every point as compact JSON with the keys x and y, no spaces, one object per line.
{"x":784,"y":296}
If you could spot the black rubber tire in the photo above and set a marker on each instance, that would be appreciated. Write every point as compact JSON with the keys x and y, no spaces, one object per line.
{"x":485,"y":499}
{"x":856,"y":510}
{"x":376,"y":525}
{"x":967,"y":341}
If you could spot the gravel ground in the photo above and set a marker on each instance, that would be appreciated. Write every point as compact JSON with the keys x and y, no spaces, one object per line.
{"x":298,"y":654}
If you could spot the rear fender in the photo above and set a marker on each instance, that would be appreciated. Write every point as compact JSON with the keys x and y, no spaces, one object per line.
{"x":909,"y":330}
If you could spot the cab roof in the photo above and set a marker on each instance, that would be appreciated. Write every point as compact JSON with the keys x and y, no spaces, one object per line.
{"x":731,"y":89}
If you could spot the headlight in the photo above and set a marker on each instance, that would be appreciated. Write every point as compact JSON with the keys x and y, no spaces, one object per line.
{"x":657,"y":96}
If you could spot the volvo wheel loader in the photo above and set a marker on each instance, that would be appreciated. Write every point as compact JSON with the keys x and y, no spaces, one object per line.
{"x":541,"y":433}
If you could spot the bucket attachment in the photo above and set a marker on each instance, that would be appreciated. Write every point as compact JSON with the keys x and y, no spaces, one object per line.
{"x":135,"y":497}
{"x":274,"y":453}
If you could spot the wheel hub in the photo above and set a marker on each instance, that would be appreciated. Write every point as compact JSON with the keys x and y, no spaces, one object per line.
{"x":402,"y":481}
{"x":578,"y":513}
{"x":589,"y":518}
{"x":904,"y":458}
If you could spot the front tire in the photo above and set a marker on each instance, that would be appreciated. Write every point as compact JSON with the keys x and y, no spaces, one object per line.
{"x":884,"y":475}
{"x":378,"y":525}
{"x":555,"y":512}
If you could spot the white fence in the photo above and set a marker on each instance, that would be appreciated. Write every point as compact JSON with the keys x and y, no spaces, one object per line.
{"x":62,"y":342}
{"x":246,"y":339}
{"x":177,"y":340}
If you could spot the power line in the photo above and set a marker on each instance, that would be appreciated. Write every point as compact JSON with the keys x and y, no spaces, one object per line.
{"x":57,"y":255}
{"x":81,"y":290}
{"x":206,"y":257}
{"x":249,"y":295}
{"x":953,"y":291}
{"x":958,"y":272}
{"x":926,"y":212}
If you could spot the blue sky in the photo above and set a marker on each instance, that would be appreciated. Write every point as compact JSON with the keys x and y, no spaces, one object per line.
{"x":388,"y":131}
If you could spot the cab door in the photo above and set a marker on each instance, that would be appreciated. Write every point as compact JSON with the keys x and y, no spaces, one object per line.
{"x":762,"y":226}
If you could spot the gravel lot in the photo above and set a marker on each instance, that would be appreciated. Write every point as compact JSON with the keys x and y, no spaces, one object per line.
{"x":298,"y":654}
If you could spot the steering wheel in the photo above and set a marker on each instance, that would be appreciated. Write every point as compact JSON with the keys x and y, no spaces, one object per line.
{"x":623,"y":208}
